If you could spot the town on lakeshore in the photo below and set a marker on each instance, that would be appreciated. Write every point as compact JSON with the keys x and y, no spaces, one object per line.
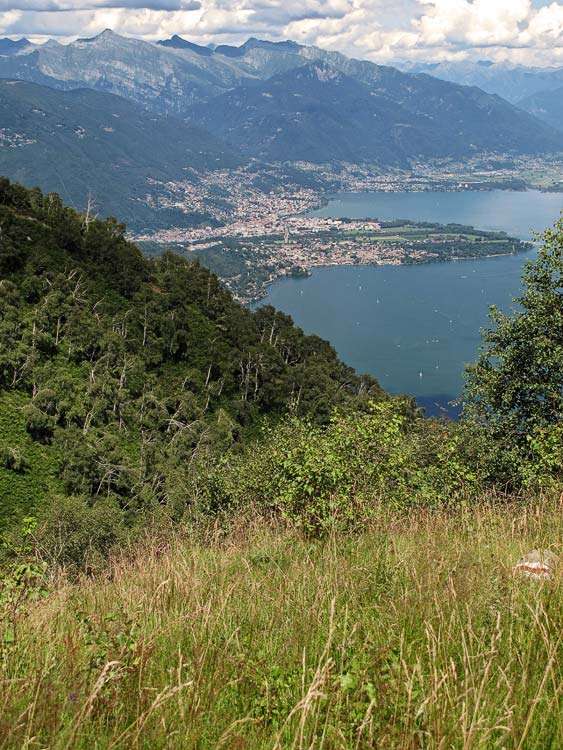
{"x":260,"y":230}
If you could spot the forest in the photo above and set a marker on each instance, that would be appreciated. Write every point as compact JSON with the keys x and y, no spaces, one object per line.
{"x":119,"y":373}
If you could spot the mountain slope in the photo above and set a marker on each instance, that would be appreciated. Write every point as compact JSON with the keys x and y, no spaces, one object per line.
{"x":81,"y":141}
{"x":258,"y":97}
{"x":9,"y":47}
{"x":176,"y":42}
{"x":127,"y":370}
{"x":546,"y":106}
{"x":165,"y":79}
{"x":317,"y":113}
{"x":511,"y":82}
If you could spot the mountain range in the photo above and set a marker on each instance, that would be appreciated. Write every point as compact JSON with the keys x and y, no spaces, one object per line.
{"x":512,"y":82}
{"x":108,"y":113}
{"x":535,"y":90}
{"x":318,"y":113}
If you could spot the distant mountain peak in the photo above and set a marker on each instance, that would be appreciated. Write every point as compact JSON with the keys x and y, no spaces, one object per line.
{"x":51,"y":44}
{"x":286,"y":45}
{"x":228,"y":50}
{"x":177,"y":42}
{"x":107,"y":35}
{"x":254,"y":43}
{"x":10,"y":47}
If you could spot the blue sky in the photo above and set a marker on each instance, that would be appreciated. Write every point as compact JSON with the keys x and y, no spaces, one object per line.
{"x":526,"y":31}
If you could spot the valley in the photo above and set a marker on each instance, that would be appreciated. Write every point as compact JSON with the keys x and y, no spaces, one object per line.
{"x":264,"y":228}
{"x":281,"y":375}
{"x":171,"y":134}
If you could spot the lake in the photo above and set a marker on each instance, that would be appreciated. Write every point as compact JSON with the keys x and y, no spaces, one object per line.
{"x":415,"y":327}
{"x":517,"y":213}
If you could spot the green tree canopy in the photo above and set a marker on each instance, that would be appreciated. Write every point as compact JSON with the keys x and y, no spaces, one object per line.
{"x":515,"y":388}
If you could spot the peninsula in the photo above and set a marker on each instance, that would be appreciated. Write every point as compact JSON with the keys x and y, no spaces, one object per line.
{"x":250,"y":254}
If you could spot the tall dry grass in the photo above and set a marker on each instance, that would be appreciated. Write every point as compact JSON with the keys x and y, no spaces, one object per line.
{"x":415,"y":634}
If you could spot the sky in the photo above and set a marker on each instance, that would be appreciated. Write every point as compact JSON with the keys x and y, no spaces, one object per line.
{"x":520,"y":31}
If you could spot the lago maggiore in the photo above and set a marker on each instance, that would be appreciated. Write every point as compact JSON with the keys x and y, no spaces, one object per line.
{"x":416,"y":326}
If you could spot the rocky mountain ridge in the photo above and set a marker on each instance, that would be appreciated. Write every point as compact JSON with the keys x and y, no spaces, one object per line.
{"x":394,"y":116}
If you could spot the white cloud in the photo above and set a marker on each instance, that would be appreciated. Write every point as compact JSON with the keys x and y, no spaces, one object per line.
{"x":54,"y":6}
{"x":381,"y":30}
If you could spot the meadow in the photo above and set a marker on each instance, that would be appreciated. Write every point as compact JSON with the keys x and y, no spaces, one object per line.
{"x":414,"y":633}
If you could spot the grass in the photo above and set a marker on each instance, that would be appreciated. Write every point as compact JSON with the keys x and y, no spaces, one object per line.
{"x":415,"y":634}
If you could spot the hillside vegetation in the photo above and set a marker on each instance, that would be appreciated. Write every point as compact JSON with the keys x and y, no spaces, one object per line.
{"x":85,"y":143}
{"x":120,"y":372}
{"x":133,"y":388}
{"x":214,"y":534}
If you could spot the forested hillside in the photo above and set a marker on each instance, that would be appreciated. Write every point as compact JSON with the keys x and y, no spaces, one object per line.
{"x":118,"y":372}
{"x":320,"y":113}
{"x":91,"y":145}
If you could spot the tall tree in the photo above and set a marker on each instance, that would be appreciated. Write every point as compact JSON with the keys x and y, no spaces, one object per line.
{"x":515,"y":388}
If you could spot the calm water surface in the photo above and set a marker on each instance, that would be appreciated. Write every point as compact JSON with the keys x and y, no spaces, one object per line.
{"x":415,"y":327}
{"x":518,"y":214}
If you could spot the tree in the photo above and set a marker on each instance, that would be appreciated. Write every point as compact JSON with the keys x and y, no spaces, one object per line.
{"x":515,"y":389}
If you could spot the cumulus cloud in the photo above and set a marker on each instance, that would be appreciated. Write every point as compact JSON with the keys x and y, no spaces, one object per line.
{"x":55,"y":6}
{"x":381,"y":30}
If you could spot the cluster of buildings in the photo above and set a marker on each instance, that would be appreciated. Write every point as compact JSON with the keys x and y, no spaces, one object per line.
{"x":236,"y":199}
{"x":258,"y":221}
{"x":493,"y":170}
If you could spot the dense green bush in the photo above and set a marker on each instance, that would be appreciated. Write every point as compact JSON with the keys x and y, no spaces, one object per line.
{"x":27,"y":468}
{"x":72,"y":532}
{"x":319,"y":478}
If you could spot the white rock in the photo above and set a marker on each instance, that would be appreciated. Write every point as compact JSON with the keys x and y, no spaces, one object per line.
{"x":539,"y":563}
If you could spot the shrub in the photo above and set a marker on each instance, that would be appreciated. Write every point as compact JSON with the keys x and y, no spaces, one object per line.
{"x":515,"y":389}
{"x":75,"y":533}
{"x":320,"y":478}
{"x":12,"y":459}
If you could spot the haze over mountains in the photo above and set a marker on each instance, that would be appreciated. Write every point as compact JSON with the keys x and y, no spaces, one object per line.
{"x":518,"y":84}
{"x":83,"y":141}
{"x":274,"y":102}
{"x":512,"y":82}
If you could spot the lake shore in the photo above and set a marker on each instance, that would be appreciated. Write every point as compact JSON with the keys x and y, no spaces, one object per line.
{"x":415,"y":326}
